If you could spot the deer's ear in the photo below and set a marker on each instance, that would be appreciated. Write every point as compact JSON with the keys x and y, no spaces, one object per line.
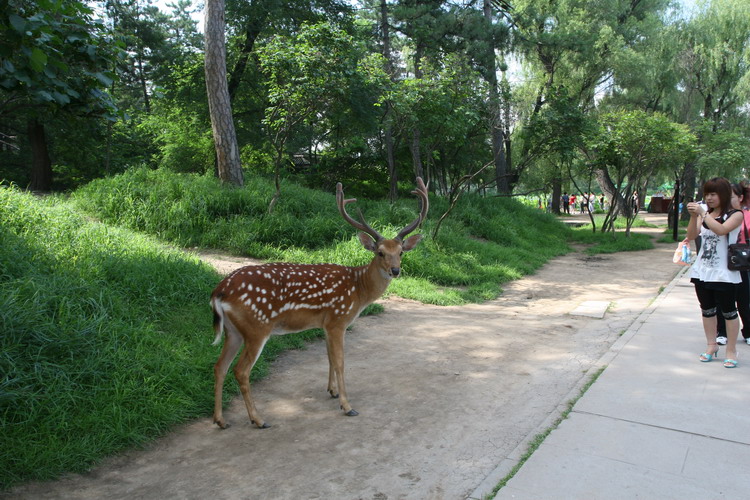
{"x":367,"y":242}
{"x":411,"y":242}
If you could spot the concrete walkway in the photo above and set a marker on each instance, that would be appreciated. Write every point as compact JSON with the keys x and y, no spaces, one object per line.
{"x":657,"y":423}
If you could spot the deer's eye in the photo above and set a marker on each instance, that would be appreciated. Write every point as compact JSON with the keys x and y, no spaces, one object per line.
{"x":381,"y":254}
{"x":400,"y":254}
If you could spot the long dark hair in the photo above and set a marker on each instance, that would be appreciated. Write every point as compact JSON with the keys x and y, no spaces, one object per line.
{"x":720,"y":186}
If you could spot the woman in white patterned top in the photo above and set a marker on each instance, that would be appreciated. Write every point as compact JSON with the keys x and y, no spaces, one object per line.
{"x":715,"y":285}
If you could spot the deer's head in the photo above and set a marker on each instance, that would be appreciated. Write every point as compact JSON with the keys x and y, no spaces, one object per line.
{"x":388,"y":252}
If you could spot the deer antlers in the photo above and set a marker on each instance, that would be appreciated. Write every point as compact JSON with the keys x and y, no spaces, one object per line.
{"x":420,"y":191}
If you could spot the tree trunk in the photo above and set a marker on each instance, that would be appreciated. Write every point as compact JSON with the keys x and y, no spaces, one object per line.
{"x":511,"y":179}
{"x":496,"y":122}
{"x":219,"y":104}
{"x":610,"y":191}
{"x":390,"y":155}
{"x":144,"y":86}
{"x":41,"y":165}
{"x":251,"y":34}
{"x":688,"y":187}
{"x":391,"y":160}
{"x":416,"y":154}
{"x":556,"y":193}
{"x":414,"y":146}
{"x":108,"y":150}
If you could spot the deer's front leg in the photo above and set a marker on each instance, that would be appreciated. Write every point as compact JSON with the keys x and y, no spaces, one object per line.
{"x":332,"y":382}
{"x":335,"y":346}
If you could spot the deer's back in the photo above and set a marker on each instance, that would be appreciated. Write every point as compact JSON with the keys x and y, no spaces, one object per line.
{"x":290,"y":297}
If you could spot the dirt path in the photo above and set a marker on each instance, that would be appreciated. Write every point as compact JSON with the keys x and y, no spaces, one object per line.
{"x":444,"y":394}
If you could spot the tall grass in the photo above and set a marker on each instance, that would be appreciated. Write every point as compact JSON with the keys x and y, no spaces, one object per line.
{"x":105,"y":339}
{"x":485,"y":242}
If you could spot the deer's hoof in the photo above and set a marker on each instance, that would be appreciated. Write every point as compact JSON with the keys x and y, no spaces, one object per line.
{"x":222,"y":424}
{"x":351,"y":413}
{"x":333,"y":394}
{"x":264,"y":425}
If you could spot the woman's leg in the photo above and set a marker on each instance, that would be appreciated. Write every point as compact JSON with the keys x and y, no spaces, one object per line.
{"x":709,"y":310}
{"x":728,"y":305}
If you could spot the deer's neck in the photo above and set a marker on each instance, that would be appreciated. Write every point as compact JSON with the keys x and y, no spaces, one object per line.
{"x":372,"y":282}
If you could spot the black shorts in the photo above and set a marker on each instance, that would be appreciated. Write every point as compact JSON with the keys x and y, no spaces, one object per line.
{"x":713,"y":294}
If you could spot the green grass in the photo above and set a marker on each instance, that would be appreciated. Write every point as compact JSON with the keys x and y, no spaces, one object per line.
{"x":486,"y":242}
{"x":613,"y":242}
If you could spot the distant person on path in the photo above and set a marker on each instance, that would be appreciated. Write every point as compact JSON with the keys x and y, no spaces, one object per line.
{"x":715,"y":284}
{"x":565,"y":202}
{"x":635,"y":203}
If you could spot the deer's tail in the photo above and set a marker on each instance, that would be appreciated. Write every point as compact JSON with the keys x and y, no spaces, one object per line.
{"x":218,"y":318}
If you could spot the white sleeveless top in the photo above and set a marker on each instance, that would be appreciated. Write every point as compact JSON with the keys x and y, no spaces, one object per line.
{"x":711,"y":263}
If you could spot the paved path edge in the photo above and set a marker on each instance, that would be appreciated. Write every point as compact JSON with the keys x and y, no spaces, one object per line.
{"x":506,"y":466}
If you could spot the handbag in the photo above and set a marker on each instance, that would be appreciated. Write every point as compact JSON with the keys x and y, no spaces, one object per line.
{"x":682,"y":255}
{"x":738,"y":257}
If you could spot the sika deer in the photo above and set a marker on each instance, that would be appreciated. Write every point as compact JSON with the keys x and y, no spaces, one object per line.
{"x":255,"y":302}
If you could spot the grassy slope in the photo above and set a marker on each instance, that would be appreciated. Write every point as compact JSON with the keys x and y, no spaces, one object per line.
{"x":485,"y":242}
{"x":105,"y":339}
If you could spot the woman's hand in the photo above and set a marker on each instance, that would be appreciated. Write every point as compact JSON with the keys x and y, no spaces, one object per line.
{"x":695,"y":209}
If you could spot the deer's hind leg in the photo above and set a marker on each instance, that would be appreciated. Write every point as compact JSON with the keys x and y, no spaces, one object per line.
{"x":253,"y":348}
{"x":232,"y":344}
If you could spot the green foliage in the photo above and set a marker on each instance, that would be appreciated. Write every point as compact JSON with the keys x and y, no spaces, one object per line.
{"x":724,"y":154}
{"x":447,"y":106}
{"x":54,"y":54}
{"x":637,"y":144}
{"x":317,"y":79}
{"x":716,"y":58}
{"x":560,"y":127}
{"x":183,"y":137}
